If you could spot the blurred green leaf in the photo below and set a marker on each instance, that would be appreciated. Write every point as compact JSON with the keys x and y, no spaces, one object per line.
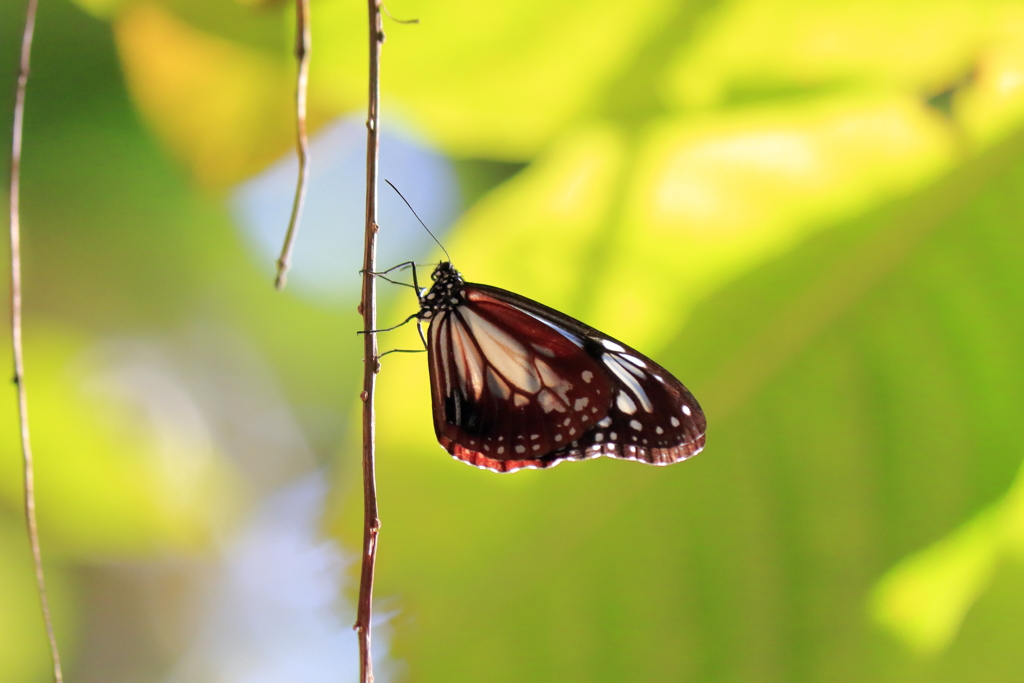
{"x":925,"y":598}
{"x":223,"y":107}
{"x":747,"y":190}
{"x":222,"y":101}
{"x":757,"y":48}
{"x":860,"y":392}
{"x":725,"y":193}
{"x":112,"y":478}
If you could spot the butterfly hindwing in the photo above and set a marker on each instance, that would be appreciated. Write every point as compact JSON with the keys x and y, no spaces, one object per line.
{"x":506,"y":388}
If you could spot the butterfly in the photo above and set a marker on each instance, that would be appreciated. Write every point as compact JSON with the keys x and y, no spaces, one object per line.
{"x":515,"y":384}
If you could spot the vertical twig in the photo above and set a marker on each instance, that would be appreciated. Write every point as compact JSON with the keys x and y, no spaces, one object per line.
{"x":19,"y":362}
{"x":303,"y":45}
{"x":367,"y":307}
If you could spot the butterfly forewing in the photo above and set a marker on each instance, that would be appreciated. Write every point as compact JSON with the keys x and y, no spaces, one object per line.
{"x":516,"y":384}
{"x":507,"y":388}
{"x":653,"y":417}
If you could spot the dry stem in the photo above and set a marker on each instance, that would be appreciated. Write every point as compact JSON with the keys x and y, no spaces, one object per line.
{"x":368,"y":308}
{"x":303,"y":45}
{"x":19,"y":362}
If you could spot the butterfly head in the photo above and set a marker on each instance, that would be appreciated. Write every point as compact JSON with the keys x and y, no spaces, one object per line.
{"x":446,"y":292}
{"x":445,"y":270}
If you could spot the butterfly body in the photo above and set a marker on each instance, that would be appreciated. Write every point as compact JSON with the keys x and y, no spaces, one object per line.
{"x":515,"y":384}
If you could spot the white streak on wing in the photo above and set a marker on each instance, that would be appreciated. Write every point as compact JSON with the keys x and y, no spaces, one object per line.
{"x":624,"y":403}
{"x":616,"y":367}
{"x":554,"y":381}
{"x":467,"y":359}
{"x":439,"y":328}
{"x":543,"y":350}
{"x":564,"y":332}
{"x":496,"y":385}
{"x":502,"y":351}
{"x":636,"y":372}
{"x":547,"y":375}
{"x":634,"y":360}
{"x":611,"y":346}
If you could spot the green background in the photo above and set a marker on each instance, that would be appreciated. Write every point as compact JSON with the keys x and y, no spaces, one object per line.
{"x":810,"y":212}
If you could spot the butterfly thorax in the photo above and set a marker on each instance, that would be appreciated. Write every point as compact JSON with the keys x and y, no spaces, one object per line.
{"x":445,"y":294}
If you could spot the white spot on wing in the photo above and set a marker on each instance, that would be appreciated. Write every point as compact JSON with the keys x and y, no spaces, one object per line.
{"x":581,"y":403}
{"x":625,"y":403}
{"x":607,"y":422}
{"x":611,"y":346}
{"x":686,"y":410}
{"x":520,"y":400}
{"x":635,"y":424}
{"x":548,"y":402}
{"x":674,"y":421}
{"x":587,"y":376}
{"x":520,"y":449}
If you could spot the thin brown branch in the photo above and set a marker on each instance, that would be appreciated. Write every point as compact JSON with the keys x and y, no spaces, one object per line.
{"x":368,"y":307}
{"x":303,"y":45}
{"x":19,"y":362}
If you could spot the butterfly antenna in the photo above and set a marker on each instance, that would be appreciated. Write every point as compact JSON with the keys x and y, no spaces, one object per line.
{"x":418,"y":218}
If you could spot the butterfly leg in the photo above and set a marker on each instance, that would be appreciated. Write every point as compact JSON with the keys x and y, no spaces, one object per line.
{"x":393,"y":327}
{"x":383,"y":275}
{"x":419,"y":328}
{"x":406,"y":264}
{"x":401,"y":351}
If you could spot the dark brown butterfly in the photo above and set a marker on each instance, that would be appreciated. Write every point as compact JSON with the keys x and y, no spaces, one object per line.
{"x":515,"y":384}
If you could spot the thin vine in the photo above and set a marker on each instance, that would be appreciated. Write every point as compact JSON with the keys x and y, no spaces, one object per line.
{"x":303,"y":48}
{"x":16,"y":343}
{"x":368,"y":308}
